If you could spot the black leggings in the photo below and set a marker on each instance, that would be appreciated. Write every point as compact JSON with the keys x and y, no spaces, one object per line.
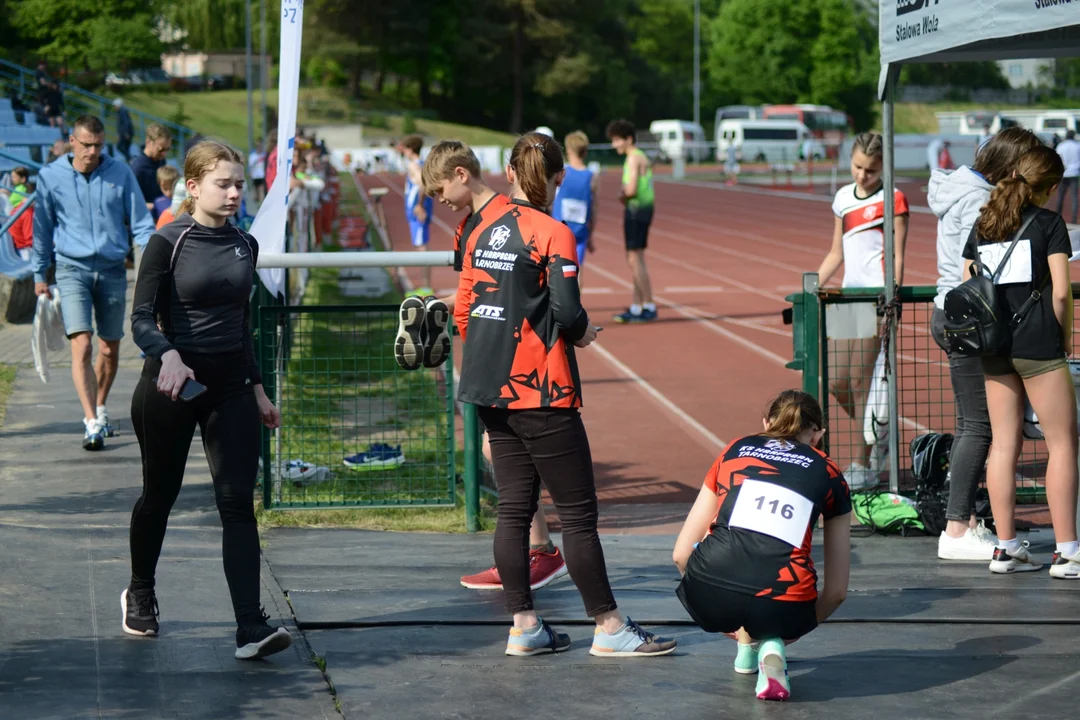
{"x":549,"y":445}
{"x":228,"y":419}
{"x":720,"y":610}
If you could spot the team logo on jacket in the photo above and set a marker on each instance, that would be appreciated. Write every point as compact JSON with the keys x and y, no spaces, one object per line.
{"x":781,"y":445}
{"x":499,"y":236}
{"x":489,"y":312}
{"x":870,"y":212}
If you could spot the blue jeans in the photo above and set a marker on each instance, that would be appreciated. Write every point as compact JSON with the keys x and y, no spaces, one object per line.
{"x":103,"y":292}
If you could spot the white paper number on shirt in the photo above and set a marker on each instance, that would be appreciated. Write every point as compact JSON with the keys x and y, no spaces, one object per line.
{"x":772,"y":510}
{"x":575,"y":211}
{"x":1017,"y":269}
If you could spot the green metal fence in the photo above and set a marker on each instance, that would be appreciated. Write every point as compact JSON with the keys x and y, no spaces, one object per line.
{"x":357,"y":430}
{"x":835,"y":348}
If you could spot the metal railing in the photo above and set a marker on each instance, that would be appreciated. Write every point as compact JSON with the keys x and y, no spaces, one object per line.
{"x":835,"y":340}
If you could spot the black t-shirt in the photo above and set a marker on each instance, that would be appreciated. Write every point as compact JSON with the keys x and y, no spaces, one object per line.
{"x":1038,"y":336}
{"x":204,"y":307}
{"x":769,"y":492}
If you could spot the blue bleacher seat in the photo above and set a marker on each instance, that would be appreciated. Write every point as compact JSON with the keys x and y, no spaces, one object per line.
{"x":13,"y":157}
{"x":5,"y":104}
{"x":7,"y":117}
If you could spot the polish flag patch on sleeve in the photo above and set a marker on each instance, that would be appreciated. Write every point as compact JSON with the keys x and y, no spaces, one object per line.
{"x":569,"y":271}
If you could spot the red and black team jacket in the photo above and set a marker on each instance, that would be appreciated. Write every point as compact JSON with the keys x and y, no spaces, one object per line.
{"x":518,"y":309}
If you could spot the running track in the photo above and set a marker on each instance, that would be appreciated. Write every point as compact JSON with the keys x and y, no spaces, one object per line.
{"x":662,"y":399}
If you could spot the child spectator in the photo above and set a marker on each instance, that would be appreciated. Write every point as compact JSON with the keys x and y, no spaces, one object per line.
{"x":20,"y":176}
{"x":166,"y":177}
{"x":22,"y":230}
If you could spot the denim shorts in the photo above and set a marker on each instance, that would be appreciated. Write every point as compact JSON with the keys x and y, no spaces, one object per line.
{"x":103,"y":292}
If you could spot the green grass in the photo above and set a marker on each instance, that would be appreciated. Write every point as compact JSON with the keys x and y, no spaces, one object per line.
{"x":343,"y":390}
{"x":919,"y":118}
{"x":223,"y":114}
{"x":7,"y":382}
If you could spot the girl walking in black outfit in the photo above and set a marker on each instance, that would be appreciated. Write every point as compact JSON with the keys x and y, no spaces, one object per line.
{"x":191,"y":319}
{"x":519,"y":312}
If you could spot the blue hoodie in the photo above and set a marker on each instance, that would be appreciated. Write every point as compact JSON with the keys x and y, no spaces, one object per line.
{"x":86,"y":223}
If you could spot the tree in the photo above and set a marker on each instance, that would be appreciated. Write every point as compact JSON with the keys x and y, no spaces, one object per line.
{"x":65,"y":30}
{"x":787,"y":51}
{"x":960,"y":75}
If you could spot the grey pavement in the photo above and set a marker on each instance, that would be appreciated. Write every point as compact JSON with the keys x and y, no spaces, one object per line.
{"x":400,"y":638}
{"x":63,"y":529}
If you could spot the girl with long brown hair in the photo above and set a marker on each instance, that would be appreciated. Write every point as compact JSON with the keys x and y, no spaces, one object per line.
{"x":1035,"y":366}
{"x":956,"y":198}
{"x":191,"y":318}
{"x":519,"y":312}
{"x":744,"y":550}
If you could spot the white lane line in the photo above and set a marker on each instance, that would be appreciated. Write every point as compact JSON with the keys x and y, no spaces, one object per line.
{"x":701,"y":317}
{"x":714,"y":443}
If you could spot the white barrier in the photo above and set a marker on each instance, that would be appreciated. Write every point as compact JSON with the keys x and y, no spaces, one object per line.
{"x":443,"y":258}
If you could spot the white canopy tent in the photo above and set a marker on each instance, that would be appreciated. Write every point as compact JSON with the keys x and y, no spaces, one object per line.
{"x":920,"y":31}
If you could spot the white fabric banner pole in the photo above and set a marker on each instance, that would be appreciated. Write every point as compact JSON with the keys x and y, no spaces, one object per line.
{"x":269,"y":224}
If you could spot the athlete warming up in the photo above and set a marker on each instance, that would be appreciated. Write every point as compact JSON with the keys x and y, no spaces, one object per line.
{"x":452,"y":176}
{"x":744,"y":550}
{"x":859,"y":245}
{"x":191,"y":318}
{"x":519,"y":312}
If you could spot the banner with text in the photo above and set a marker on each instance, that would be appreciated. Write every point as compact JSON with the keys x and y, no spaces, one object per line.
{"x":269,"y":224}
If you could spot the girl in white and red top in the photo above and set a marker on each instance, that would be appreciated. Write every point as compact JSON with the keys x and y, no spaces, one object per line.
{"x":859,"y":245}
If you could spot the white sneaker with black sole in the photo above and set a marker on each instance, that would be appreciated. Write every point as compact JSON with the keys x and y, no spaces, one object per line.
{"x":1065,"y":568}
{"x":1005,"y":562}
{"x":261,"y":640}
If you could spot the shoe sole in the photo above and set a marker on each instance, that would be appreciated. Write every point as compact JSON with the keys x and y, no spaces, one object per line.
{"x":436,"y":322}
{"x":775,"y":676}
{"x":1009,"y":570}
{"x":478,"y":586}
{"x":94,"y":445}
{"x":747,"y":671}
{"x":130,"y":631}
{"x":519,"y":651}
{"x":280,"y":640}
{"x":378,"y":465}
{"x":408,"y":348}
{"x":628,"y":653}
{"x":1064,"y":576}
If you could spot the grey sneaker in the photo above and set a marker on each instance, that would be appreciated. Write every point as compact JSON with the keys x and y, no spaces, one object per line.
{"x":536,"y":641}
{"x":629,"y":641}
{"x":1005,"y":562}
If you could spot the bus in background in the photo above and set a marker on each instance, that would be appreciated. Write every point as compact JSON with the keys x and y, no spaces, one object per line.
{"x":735,"y":112}
{"x":825,"y":124}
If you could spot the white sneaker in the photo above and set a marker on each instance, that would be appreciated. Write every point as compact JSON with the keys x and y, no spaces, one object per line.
{"x":1065,"y":568}
{"x":1005,"y":562}
{"x":970,"y":546}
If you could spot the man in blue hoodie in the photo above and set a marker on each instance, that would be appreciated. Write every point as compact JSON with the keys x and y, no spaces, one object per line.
{"x":86,"y":203}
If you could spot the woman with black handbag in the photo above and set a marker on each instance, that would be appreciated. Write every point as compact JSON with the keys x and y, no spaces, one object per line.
{"x":1035,"y":306}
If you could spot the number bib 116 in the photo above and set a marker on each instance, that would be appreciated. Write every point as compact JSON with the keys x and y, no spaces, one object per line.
{"x":772,"y":510}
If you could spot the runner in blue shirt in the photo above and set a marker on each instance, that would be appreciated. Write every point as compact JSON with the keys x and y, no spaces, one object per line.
{"x":575,"y":200}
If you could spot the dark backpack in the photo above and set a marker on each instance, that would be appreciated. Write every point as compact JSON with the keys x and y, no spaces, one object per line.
{"x":930,"y":466}
{"x":974,"y":323}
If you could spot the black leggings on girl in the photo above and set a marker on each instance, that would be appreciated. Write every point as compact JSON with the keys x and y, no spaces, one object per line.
{"x":549,"y":445}
{"x":228,"y":419}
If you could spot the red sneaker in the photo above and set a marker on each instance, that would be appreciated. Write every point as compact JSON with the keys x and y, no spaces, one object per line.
{"x":543,"y":568}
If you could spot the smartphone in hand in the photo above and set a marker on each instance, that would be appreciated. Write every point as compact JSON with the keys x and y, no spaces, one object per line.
{"x":191,"y":389}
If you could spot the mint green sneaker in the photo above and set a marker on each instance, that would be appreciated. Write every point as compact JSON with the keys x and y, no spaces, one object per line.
{"x":772,"y":683}
{"x":746,"y":659}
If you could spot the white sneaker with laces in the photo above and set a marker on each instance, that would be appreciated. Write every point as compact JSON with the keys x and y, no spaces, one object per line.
{"x":1006,"y":562}
{"x":972,"y":545}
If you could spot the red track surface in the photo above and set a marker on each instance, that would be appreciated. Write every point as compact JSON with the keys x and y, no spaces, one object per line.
{"x":660,"y":399}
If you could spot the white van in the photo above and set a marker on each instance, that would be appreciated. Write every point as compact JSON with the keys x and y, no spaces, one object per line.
{"x":976,"y":122}
{"x":771,"y":141}
{"x":1057,"y":123}
{"x":680,"y":138}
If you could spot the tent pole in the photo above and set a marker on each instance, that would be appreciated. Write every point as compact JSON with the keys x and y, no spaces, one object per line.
{"x":889,"y":182}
